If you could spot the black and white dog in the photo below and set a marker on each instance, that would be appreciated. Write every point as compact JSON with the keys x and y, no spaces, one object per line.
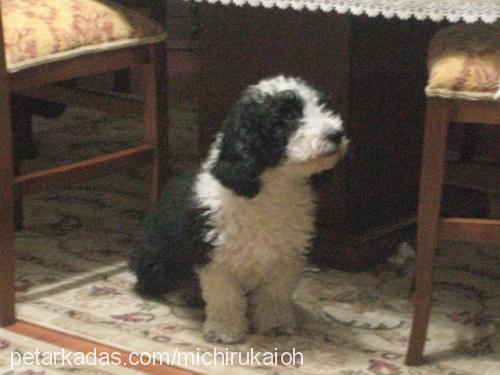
{"x":238,"y":229}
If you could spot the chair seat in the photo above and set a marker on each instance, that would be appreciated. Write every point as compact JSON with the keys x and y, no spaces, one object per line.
{"x":464,"y":62}
{"x":41,"y":31}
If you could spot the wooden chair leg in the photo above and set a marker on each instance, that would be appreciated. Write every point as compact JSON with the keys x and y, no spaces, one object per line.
{"x":431,"y":183}
{"x":7,"y":254}
{"x":156,"y":118}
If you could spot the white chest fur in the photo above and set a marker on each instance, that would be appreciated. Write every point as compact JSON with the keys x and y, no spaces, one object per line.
{"x":257,"y":237}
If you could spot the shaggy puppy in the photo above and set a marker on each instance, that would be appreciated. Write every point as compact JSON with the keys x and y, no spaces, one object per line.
{"x":240,"y":227}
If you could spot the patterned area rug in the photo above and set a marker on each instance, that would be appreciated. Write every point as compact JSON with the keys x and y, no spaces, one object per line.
{"x":14,"y":349}
{"x":72,"y":277}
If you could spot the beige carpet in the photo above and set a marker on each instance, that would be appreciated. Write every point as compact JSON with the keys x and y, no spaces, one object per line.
{"x":72,"y":277}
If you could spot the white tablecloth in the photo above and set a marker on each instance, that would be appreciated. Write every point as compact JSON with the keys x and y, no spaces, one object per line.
{"x":436,"y":10}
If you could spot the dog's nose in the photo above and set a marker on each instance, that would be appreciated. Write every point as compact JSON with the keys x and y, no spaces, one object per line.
{"x":335,"y":136}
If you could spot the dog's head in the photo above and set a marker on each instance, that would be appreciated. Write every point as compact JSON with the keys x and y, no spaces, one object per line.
{"x":280,"y":123}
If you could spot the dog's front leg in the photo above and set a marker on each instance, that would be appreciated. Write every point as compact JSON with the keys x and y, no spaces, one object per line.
{"x":271,"y":309}
{"x":225,"y":308}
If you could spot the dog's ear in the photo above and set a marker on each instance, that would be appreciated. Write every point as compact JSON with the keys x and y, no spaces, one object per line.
{"x":241,"y":157}
{"x":239,"y":176}
{"x":289,"y":104}
{"x":254,"y":138}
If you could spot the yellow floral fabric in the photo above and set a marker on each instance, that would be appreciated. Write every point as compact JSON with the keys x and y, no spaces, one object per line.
{"x":38,"y":31}
{"x":464,"y":62}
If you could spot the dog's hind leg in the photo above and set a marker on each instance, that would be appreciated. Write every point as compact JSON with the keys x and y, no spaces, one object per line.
{"x":225,"y":307}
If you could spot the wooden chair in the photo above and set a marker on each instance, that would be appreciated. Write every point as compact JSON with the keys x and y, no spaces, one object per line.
{"x":463,"y":87}
{"x":58,"y":41}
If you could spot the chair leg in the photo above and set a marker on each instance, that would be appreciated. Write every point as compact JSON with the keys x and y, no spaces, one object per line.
{"x":431,"y":182}
{"x":7,"y":254}
{"x":156,"y":118}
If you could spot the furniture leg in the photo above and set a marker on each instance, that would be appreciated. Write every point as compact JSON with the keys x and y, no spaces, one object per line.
{"x":7,"y":254}
{"x":431,"y":182}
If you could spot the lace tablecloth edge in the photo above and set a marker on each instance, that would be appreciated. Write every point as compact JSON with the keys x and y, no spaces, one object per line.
{"x":487,"y":14}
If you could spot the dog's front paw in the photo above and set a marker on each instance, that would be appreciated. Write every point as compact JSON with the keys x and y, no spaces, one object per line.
{"x":219,"y":333}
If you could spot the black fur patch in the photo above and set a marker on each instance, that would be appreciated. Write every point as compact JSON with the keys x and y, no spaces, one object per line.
{"x":169,"y":242}
{"x":255,"y":136}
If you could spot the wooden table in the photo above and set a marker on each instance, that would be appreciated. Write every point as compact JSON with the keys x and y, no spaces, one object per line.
{"x":375,"y":71}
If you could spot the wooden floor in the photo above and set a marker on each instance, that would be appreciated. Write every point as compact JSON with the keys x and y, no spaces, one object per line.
{"x":80,"y":345}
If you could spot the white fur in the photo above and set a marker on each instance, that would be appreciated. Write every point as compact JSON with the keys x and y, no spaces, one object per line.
{"x":259,"y":243}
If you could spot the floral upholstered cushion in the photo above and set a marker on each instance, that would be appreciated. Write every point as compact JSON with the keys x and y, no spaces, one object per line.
{"x":464,"y":62}
{"x":40,"y":31}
